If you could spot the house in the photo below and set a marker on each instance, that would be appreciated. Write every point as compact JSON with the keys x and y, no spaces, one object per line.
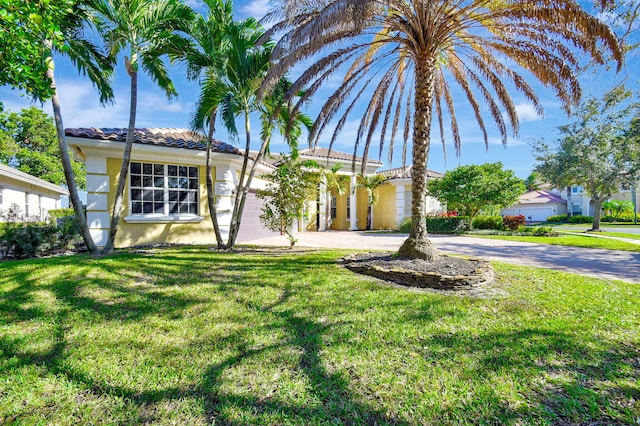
{"x":394,"y":204}
{"x":165,"y":199}
{"x":581,"y":204}
{"x":537,"y":206}
{"x":34,"y":196}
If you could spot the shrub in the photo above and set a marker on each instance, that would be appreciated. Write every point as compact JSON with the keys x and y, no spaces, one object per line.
{"x":580,"y":219}
{"x":560,"y":218}
{"x":623,"y":217}
{"x":487,"y":222}
{"x":513,"y":222}
{"x":447,"y":225}
{"x":19,"y":238}
{"x":60,"y":213}
{"x":439,"y":224}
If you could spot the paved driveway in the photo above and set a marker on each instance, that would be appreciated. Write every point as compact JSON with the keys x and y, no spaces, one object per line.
{"x":607,"y":264}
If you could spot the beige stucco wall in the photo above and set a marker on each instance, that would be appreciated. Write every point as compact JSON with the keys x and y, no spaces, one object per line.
{"x":132,"y":234}
{"x":384,"y":211}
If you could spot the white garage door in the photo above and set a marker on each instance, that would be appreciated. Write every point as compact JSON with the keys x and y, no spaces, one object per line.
{"x":250,"y":227}
{"x":537,"y":214}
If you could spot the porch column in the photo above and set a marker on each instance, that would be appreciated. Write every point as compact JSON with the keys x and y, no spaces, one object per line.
{"x":98,"y":209}
{"x":353,"y":208}
{"x":322,"y":205}
{"x":225,"y":185}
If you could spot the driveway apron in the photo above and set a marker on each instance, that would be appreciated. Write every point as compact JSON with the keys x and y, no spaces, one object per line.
{"x":606,"y":264}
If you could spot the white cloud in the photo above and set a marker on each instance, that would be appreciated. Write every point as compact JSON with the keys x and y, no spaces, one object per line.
{"x":526,"y":112}
{"x":255,"y":8}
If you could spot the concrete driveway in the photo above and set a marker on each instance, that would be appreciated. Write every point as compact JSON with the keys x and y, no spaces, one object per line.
{"x":607,"y":264}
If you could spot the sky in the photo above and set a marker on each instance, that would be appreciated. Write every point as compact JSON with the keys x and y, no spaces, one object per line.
{"x":81,"y":108}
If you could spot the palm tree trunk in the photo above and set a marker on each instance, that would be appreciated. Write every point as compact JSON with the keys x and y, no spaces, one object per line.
{"x":124,"y":169}
{"x":418,"y":244}
{"x":236,"y":216}
{"x":66,"y":164}
{"x":209,"y":179}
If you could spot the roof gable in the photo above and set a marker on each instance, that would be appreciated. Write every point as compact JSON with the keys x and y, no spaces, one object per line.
{"x":540,"y":197}
{"x":18,"y":175}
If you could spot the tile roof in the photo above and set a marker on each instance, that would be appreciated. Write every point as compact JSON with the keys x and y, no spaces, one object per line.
{"x":169,"y":137}
{"x":334,"y":155}
{"x":405,"y":172}
{"x":538,"y":197}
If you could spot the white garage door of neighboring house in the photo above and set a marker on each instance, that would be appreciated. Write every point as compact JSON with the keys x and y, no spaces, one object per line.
{"x":536,"y":215}
{"x":250,"y":227}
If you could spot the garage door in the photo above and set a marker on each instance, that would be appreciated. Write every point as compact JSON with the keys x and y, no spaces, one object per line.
{"x":250,"y":227}
{"x":536,"y":215}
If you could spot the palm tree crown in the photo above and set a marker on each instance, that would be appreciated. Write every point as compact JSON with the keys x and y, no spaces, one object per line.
{"x":403,"y":56}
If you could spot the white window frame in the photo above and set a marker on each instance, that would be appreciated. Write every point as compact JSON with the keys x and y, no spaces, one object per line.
{"x":166,"y":216}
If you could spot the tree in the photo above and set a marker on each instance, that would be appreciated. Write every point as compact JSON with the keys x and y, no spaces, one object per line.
{"x":594,"y":150}
{"x":615,"y":208}
{"x":391,"y":45}
{"x":148,"y":30}
{"x":28,"y":143}
{"x":289,"y":188}
{"x":371,"y":184}
{"x":333,"y":182}
{"x":205,"y":59}
{"x":32,"y":32}
{"x":470,"y":189}
{"x":532,"y":182}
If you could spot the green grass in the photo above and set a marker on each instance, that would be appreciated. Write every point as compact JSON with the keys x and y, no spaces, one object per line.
{"x":571,"y":240}
{"x":190,"y":336}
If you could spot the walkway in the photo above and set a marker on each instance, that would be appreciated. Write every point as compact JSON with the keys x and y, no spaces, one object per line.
{"x":606,"y":264}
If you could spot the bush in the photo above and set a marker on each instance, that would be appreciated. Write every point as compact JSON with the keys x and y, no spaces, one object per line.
{"x":19,"y":238}
{"x":487,"y":222}
{"x":60,"y":213}
{"x":560,"y":218}
{"x":623,"y":217}
{"x":513,"y":222}
{"x":537,"y":231}
{"x":580,"y":219}
{"x":439,"y":224}
{"x":447,"y":225}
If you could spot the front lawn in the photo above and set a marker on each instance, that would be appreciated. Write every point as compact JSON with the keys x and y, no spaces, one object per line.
{"x":571,"y":240}
{"x":190,"y":336}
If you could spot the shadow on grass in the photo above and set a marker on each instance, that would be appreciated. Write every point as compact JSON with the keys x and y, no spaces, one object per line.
{"x":129,"y":288}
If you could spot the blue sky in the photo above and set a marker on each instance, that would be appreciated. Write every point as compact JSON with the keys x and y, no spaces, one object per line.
{"x":81,"y":108}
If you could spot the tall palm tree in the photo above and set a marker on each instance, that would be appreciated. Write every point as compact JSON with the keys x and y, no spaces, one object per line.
{"x":404,"y":55}
{"x":371,"y":184}
{"x":148,"y":29}
{"x":205,"y":60}
{"x":91,"y":62}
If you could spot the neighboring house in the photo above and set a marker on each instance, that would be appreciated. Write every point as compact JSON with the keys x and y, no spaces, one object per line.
{"x":537,"y":206}
{"x":581,"y":204}
{"x":165,"y":199}
{"x":34,"y":196}
{"x":394,"y":204}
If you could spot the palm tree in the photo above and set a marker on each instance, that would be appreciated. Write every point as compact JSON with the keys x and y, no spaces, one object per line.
{"x":205,"y":61}
{"x":404,"y":55}
{"x":532,"y":182}
{"x":333,"y":182}
{"x":148,"y":29}
{"x":371,"y":184}
{"x":91,"y":62}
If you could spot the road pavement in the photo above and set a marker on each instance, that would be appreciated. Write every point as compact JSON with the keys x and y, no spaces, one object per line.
{"x":606,"y":264}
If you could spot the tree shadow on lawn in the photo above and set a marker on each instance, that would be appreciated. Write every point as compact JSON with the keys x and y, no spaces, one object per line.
{"x":575,"y":398}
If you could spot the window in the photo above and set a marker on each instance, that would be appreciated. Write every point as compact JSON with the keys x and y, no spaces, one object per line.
{"x":26,"y":204}
{"x":40,"y":212}
{"x":576,"y":189}
{"x":334,"y":207}
{"x":348,"y":206}
{"x":163,"y":189}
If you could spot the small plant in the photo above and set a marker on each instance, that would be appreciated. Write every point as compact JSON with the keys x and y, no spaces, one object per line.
{"x":405,"y":225}
{"x":513,"y":222}
{"x":580,"y":219}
